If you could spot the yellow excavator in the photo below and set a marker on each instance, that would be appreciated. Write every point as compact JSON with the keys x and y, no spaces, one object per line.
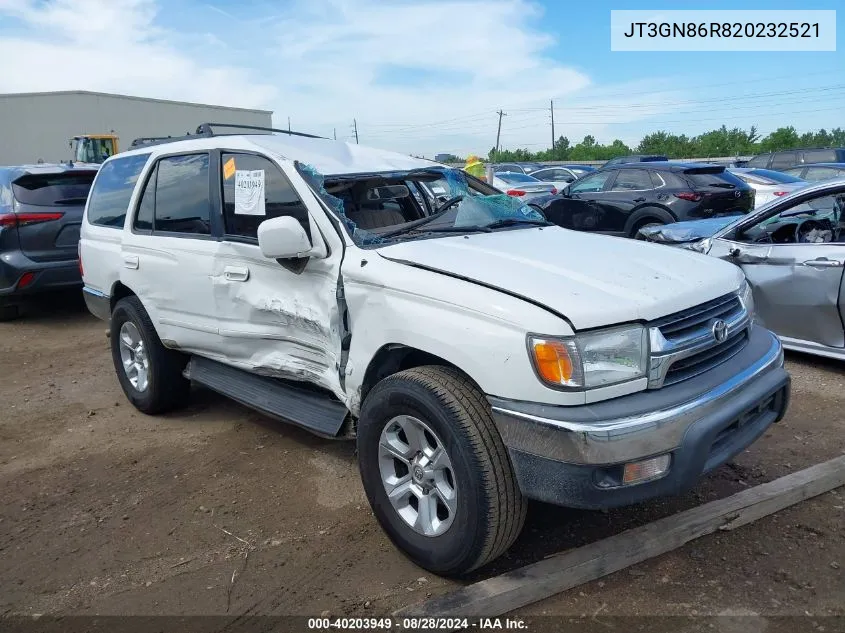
{"x":93,"y":148}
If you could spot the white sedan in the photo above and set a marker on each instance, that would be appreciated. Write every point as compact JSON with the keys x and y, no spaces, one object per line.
{"x":767,"y":184}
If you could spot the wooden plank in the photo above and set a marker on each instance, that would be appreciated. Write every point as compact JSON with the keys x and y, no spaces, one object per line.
{"x":502,"y":594}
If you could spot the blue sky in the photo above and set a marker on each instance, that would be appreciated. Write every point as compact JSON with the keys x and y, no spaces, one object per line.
{"x":420,"y":76}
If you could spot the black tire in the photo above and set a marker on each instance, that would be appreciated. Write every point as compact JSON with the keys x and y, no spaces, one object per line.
{"x":491,"y":509}
{"x":167,"y":388}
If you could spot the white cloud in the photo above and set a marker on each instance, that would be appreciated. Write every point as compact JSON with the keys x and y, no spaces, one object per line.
{"x":111,"y":46}
{"x":398,"y":67}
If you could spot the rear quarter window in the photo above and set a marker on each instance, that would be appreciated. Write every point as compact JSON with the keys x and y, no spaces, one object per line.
{"x":112,"y":190}
{"x":50,"y":190}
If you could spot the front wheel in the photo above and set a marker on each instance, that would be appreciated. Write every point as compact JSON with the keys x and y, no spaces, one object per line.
{"x":435,"y":471}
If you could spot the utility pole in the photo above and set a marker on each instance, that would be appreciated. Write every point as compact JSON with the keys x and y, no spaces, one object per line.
{"x":552,"y":108}
{"x":288,"y":125}
{"x":355,"y":128}
{"x":335,"y":133}
{"x":499,"y":132}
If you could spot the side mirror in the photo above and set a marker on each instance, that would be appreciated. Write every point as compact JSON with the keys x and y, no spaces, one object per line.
{"x":565,"y":191}
{"x":284,"y":238}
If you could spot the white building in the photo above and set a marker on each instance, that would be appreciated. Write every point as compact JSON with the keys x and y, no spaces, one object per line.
{"x":39,"y":125}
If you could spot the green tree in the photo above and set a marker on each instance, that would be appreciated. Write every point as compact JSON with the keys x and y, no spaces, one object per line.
{"x":781,"y":138}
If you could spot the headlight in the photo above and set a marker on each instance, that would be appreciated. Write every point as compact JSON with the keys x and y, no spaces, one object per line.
{"x":747,"y":298}
{"x":590,"y":360}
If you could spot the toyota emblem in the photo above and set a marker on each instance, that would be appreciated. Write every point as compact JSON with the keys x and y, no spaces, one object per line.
{"x":737,"y":193}
{"x":720,"y":330}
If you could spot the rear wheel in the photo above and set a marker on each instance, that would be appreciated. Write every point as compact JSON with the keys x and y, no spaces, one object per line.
{"x":435,"y":470}
{"x":149,"y":373}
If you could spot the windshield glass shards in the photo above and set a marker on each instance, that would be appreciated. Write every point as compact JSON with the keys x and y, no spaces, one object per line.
{"x":386,"y":207}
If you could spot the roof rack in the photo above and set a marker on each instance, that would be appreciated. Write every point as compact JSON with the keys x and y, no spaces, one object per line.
{"x":206,"y":130}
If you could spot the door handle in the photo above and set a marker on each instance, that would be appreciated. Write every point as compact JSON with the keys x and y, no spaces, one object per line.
{"x":639,"y":200}
{"x":236,"y":273}
{"x":822,"y":262}
{"x":131,"y":261}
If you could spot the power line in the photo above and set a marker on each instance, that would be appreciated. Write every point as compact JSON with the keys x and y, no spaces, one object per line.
{"x":408,"y":125}
{"x":597,"y":119}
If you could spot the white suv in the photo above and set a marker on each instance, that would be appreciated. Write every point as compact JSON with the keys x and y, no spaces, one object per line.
{"x":478,"y":355}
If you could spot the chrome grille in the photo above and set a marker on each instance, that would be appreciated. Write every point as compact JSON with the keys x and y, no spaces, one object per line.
{"x":683,"y":345}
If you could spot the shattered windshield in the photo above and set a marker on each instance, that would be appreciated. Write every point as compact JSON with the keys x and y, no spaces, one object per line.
{"x":386,"y":207}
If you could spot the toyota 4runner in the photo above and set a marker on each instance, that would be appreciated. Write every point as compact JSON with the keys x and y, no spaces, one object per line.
{"x":477,"y":354}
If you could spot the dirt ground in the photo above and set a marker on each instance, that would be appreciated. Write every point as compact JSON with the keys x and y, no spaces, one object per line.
{"x":216,"y":509}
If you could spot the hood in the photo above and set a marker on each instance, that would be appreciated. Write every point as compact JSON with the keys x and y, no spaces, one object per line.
{"x":592,"y":280}
{"x":683,"y":232}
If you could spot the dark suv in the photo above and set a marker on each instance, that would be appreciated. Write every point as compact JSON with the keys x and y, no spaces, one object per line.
{"x":622,"y":199}
{"x":40,"y":213}
{"x":790,"y":157}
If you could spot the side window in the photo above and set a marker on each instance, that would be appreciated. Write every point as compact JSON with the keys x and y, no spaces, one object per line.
{"x":632,"y":180}
{"x":784,"y":159}
{"x":821,"y":173}
{"x":254,"y":190}
{"x":592,"y":183}
{"x":815,"y":220}
{"x":108,"y":201}
{"x":182,"y":200}
{"x":795,"y":171}
{"x":820,"y":156}
{"x":146,"y":208}
{"x":761,"y":161}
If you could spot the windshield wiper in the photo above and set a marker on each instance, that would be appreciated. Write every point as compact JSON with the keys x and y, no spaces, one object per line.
{"x":505,"y":222}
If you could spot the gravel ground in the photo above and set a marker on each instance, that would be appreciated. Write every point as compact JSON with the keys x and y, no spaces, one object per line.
{"x":218,"y":510}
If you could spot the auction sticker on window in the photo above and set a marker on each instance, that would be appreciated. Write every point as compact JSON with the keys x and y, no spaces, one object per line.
{"x":723,"y":30}
{"x":249,"y":192}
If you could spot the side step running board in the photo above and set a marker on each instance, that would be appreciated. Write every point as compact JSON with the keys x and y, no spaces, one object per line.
{"x":316,"y":412}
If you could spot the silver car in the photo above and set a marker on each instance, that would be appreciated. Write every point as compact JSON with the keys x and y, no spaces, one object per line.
{"x":767,"y":184}
{"x":792,"y":252}
{"x":522,"y":185}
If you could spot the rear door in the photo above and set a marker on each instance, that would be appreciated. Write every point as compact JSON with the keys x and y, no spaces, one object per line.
{"x":168,"y":255}
{"x":49,"y":209}
{"x":631,"y":189}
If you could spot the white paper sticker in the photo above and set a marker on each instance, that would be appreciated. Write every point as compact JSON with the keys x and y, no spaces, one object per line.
{"x":249,"y":192}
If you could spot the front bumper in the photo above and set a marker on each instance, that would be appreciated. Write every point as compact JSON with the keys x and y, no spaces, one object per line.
{"x":573,"y":456}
